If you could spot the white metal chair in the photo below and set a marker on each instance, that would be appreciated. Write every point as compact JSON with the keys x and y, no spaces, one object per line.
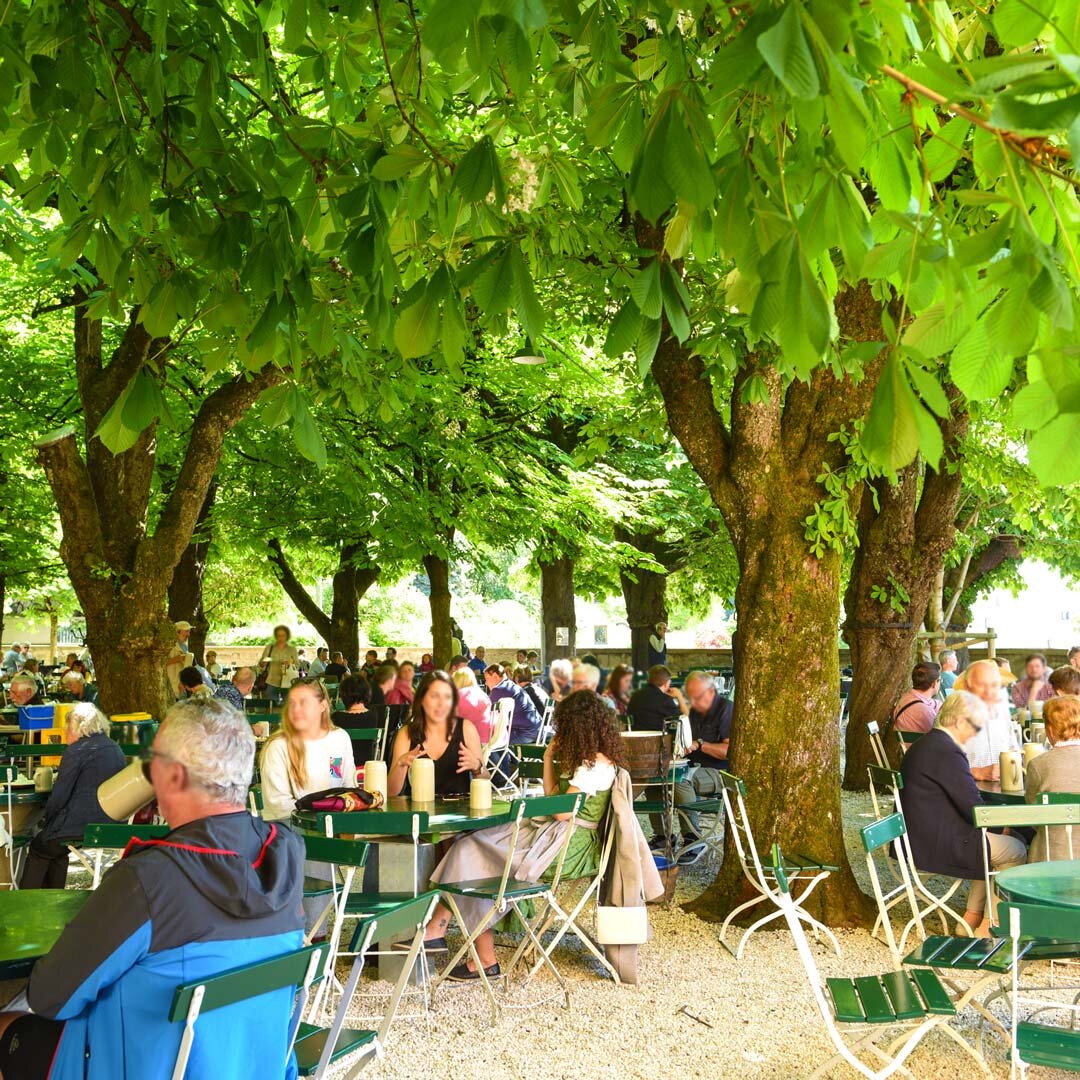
{"x":797,"y":868}
{"x":873,"y":732}
{"x":496,"y":752}
{"x":868,"y":1008}
{"x":885,"y":836}
{"x":547,"y":722}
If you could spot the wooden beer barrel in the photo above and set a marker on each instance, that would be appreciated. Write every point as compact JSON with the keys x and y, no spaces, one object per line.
{"x":648,"y":753}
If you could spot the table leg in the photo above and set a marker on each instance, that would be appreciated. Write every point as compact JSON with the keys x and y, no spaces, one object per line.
{"x":23,"y":816}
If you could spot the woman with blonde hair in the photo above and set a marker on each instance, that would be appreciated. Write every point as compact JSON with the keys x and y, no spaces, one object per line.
{"x":1057,"y":770}
{"x":473,"y":703}
{"x":307,"y":753}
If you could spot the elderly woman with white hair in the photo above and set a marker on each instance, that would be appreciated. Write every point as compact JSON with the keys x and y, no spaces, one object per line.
{"x":90,"y":759}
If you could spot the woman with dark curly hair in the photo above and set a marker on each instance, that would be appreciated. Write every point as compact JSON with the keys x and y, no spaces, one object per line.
{"x":583,"y":756}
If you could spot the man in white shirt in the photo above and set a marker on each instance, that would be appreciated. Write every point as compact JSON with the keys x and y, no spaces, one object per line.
{"x":318,"y":665}
{"x":983,"y":679}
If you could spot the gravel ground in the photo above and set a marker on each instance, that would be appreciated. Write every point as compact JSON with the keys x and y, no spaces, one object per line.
{"x":763,"y":1017}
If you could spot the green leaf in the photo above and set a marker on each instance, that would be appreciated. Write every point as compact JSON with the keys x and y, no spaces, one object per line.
{"x":306,"y":434}
{"x":1054,"y":451}
{"x":645,"y":289}
{"x":929,"y":389}
{"x":890,"y":438}
{"x":1036,"y":118}
{"x":477,"y":173}
{"x":416,"y":329}
{"x":686,"y":165}
{"x":529,"y":309}
{"x":787,"y":52}
{"x":399,"y":162}
{"x":977,"y":367}
{"x":931,"y":443}
{"x":159,"y":313}
{"x":647,"y":342}
{"x":607,"y":110}
{"x":622,"y":335}
{"x":494,"y":289}
{"x":1019,"y":22}
{"x":138,"y":406}
{"x":936,"y":331}
{"x":447,"y":23}
{"x":943,"y":150}
{"x":1033,"y":405}
{"x":453,"y":335}
{"x":677,"y":316}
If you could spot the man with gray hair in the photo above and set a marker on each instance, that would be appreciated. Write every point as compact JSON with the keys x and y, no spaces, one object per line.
{"x":79,"y":688}
{"x":221,"y":890}
{"x":949,"y":663}
{"x":234,"y":692}
{"x":24,"y":690}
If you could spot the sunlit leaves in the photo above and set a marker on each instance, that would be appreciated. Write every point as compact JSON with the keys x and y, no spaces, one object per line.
{"x":787,"y":52}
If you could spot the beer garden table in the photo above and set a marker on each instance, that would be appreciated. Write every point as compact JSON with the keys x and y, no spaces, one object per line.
{"x":1054,"y":884}
{"x":30,"y":923}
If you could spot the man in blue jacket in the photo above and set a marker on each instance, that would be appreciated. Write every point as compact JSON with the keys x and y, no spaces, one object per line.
{"x":221,"y":890}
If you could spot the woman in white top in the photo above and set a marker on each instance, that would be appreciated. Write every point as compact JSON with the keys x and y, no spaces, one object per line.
{"x":281,"y":658}
{"x":306,"y":754}
{"x":583,"y":756}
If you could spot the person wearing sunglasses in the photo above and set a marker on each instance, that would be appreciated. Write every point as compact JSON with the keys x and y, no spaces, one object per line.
{"x":938,"y":797}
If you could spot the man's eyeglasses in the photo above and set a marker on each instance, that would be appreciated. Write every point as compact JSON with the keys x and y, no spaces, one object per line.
{"x":150,"y":753}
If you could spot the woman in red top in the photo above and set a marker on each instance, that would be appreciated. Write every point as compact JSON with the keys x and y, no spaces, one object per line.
{"x":619,"y":686}
{"x":401,"y":693}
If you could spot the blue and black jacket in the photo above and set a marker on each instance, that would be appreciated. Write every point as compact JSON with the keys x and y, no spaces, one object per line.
{"x":215,"y":894}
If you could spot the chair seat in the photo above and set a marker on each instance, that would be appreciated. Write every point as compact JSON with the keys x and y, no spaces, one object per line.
{"x":965,"y":954}
{"x":796,"y":864}
{"x":362,"y":903}
{"x":890,"y":998}
{"x":1053,"y":1047}
{"x":311,"y":1040}
{"x":702,"y":806}
{"x":488,"y":888}
{"x":317,"y":887}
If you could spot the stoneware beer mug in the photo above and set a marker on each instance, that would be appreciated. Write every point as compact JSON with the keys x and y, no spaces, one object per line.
{"x":1012,"y":778}
{"x":1038,"y":733}
{"x":129,"y":790}
{"x":1031,"y":751}
{"x":1036,"y":710}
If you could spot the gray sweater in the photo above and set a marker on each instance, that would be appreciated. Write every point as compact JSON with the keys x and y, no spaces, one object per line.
{"x":1057,"y":770}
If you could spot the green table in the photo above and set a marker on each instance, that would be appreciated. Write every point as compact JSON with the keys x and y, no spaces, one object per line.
{"x":32,"y":750}
{"x":445,"y":817}
{"x":992,"y":793}
{"x":1056,"y":884}
{"x":30,"y":923}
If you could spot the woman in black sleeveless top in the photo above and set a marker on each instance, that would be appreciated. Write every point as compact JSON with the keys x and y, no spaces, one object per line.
{"x":435,"y":730}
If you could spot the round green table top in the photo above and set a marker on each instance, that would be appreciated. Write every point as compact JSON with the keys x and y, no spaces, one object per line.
{"x":30,"y":923}
{"x":445,"y":815}
{"x":1056,"y":884}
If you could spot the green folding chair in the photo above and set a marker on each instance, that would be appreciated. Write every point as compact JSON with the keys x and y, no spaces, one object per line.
{"x":907,"y":739}
{"x":1037,"y":1042}
{"x":802,"y":869}
{"x":870,"y":1010}
{"x":318,"y":1048}
{"x":882,"y":837}
{"x":508,"y":892}
{"x":1060,"y":798}
{"x":12,"y":843}
{"x":109,"y":837}
{"x":873,"y":731}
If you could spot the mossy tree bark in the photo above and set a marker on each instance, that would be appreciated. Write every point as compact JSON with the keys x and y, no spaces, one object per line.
{"x":645,"y":590}
{"x":557,"y":605}
{"x":438,"y":572}
{"x":352,"y":579}
{"x":903,"y":541}
{"x":120,"y":571}
{"x":761,"y":469}
{"x":186,"y":587}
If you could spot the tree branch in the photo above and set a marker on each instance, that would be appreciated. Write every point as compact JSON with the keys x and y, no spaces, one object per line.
{"x":295,"y":590}
{"x":141,"y":38}
{"x":220,"y":412}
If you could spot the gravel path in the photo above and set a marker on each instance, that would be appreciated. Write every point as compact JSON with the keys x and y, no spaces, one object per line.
{"x":763,"y":1017}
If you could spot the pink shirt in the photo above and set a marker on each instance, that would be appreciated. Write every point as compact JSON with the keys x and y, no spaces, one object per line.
{"x":1021,"y":691}
{"x":919,"y":711}
{"x":475,"y":705}
{"x":401,"y":693}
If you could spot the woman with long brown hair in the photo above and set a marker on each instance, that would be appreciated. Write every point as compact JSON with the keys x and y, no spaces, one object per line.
{"x":583,"y":756}
{"x":435,"y":730}
{"x":619,"y":684}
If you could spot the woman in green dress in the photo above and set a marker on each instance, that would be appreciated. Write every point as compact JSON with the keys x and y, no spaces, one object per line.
{"x":582,"y":757}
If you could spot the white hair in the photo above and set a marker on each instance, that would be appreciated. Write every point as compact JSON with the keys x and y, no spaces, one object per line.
{"x":591,"y":672}
{"x":24,"y":680}
{"x":962,"y":705}
{"x":699,"y":676}
{"x":215,"y":743}
{"x":563,"y":668}
{"x":73,"y":678}
{"x":87,"y":719}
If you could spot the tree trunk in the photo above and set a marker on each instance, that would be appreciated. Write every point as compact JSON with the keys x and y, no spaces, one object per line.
{"x":763,"y":477}
{"x":119,"y":572}
{"x":54,"y":627}
{"x":438,"y":572}
{"x":3,"y":601}
{"x":557,"y":606}
{"x":341,"y":628}
{"x":645,"y":591}
{"x":186,"y":587}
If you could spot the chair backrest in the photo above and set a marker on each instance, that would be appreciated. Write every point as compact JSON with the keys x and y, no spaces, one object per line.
{"x":530,"y":769}
{"x":8,"y":774}
{"x":1058,"y":798}
{"x":882,"y":780}
{"x":906,"y":738}
{"x":1040,"y":815}
{"x":249,"y":981}
{"x":121,"y":834}
{"x":531,"y":751}
{"x":499,"y":739}
{"x":879,"y":833}
{"x":401,"y":921}
{"x":873,"y":732}
{"x":374,"y":823}
{"x":333,"y":849}
{"x":733,"y":792}
{"x":545,"y":805}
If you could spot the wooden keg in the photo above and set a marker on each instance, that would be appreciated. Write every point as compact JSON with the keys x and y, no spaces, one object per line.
{"x":648,"y":753}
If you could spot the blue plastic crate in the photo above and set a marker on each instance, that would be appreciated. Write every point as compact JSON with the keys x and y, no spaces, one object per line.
{"x":36,"y":717}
